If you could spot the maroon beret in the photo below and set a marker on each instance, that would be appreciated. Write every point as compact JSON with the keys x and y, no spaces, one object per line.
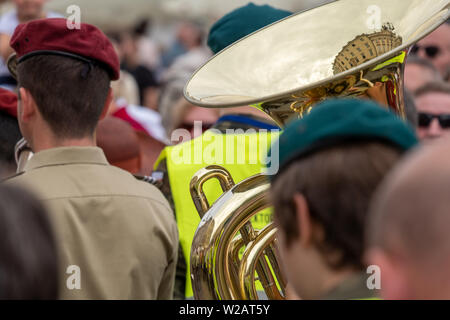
{"x":53,"y":36}
{"x":8,"y":102}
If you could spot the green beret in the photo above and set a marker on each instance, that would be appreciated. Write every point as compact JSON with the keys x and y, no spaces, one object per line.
{"x":240,"y":23}
{"x":338,"y":121}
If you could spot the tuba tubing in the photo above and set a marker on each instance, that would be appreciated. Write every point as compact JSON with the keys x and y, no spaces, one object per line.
{"x":215,"y":267}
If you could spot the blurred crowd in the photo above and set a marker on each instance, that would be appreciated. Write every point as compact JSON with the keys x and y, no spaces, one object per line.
{"x":146,"y":106}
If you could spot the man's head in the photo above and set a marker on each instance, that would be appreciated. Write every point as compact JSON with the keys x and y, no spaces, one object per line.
{"x":433,"y":107}
{"x":436,"y":48}
{"x":30,"y":9}
{"x":241,"y":22}
{"x":408,"y":225}
{"x":331,"y":161}
{"x":64,"y":78}
{"x":418,"y":72}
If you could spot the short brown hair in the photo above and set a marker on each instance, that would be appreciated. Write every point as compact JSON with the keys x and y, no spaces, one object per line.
{"x":438,"y":86}
{"x":70,"y":94}
{"x":338,"y":184}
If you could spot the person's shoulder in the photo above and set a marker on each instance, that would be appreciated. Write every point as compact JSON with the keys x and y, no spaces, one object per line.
{"x":30,"y":181}
{"x":11,"y":179}
{"x":138,"y":188}
{"x":22,"y":177}
{"x":156,"y":207}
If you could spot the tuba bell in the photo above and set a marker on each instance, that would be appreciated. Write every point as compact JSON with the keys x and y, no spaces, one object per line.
{"x":347,"y":48}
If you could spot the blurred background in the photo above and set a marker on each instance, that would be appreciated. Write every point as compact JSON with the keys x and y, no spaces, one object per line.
{"x":117,"y":14}
{"x":160,"y":44}
{"x":164,"y":15}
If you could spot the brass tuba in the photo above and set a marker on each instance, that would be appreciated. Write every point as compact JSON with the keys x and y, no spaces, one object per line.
{"x":342,"y":49}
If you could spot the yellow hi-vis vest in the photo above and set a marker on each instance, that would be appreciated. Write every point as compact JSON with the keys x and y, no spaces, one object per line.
{"x":243,"y":155}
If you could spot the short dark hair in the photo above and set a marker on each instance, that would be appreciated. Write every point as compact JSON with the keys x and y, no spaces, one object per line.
{"x":69,"y":94}
{"x":438,"y":87}
{"x":338,"y":184}
{"x":9,"y":136}
{"x":28,"y":253}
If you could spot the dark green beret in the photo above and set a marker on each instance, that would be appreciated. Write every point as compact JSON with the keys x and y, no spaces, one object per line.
{"x":240,"y":23}
{"x":338,"y":121}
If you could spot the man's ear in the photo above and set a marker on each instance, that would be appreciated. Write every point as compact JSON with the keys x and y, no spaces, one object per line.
{"x":304,"y":223}
{"x":28,"y":107}
{"x":109,"y":100}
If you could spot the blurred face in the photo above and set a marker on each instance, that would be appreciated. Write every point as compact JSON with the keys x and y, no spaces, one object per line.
{"x":436,"y":48}
{"x":297,"y":262}
{"x":429,"y":107}
{"x":302,"y":263}
{"x":29,"y":9}
{"x":207,"y":117}
{"x":416,"y":76}
{"x":188,"y":35}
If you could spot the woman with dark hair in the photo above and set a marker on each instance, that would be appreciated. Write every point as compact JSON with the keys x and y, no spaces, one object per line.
{"x":28,"y":254}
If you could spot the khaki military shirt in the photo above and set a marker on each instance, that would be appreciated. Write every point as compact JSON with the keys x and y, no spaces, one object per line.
{"x":354,"y":287}
{"x":120,"y":232}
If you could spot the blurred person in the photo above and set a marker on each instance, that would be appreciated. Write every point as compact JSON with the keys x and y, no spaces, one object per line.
{"x":418,"y":72}
{"x":408,"y":225}
{"x":175,"y":78}
{"x":148,"y":132}
{"x":9,"y":132}
{"x":185,"y":115}
{"x":140,"y":129}
{"x":196,"y":53}
{"x":188,"y":36}
{"x":433,"y":106}
{"x":120,"y":144}
{"x":118,"y":231}
{"x":252,"y":133}
{"x":145,"y":78}
{"x":436,"y":48}
{"x":28,"y":252}
{"x":410,"y":108}
{"x":26,"y":10}
{"x":147,"y":50}
{"x":176,"y":112}
{"x":331,"y":162}
{"x":126,"y":87}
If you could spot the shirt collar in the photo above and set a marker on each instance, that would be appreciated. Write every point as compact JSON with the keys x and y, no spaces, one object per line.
{"x":66,"y":155}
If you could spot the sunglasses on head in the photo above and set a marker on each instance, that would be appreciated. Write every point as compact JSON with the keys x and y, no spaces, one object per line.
{"x":430,"y":51}
{"x":426,"y":118}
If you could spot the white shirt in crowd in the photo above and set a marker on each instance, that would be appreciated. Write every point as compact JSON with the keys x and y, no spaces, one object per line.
{"x":8,"y":23}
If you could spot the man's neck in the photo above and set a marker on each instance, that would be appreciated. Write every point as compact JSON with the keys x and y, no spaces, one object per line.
{"x":334,"y":279}
{"x":45,"y":144}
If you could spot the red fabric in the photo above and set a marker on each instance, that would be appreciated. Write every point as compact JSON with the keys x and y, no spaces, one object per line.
{"x":121,"y":113}
{"x":8,"y":102}
{"x":54,"y":35}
